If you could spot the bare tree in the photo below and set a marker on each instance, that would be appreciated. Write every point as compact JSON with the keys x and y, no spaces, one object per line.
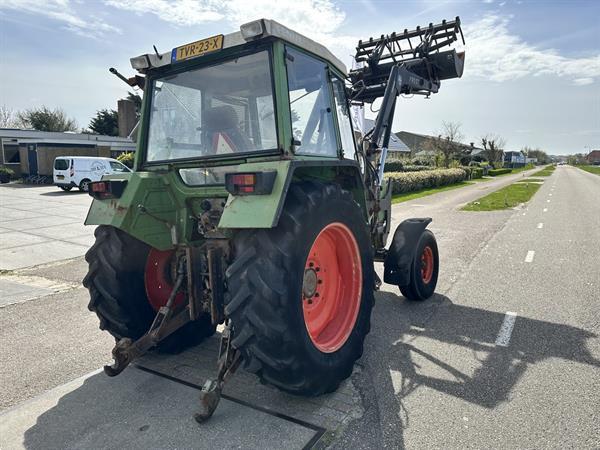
{"x":447,"y":144}
{"x":8,"y":118}
{"x":493,"y":146}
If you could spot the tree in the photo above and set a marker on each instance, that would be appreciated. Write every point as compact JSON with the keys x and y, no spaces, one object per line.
{"x":447,"y":144}
{"x":542,"y":156}
{"x":137,"y":101}
{"x":106,"y":122}
{"x":8,"y":118}
{"x":493,"y":147}
{"x":44,"y":119}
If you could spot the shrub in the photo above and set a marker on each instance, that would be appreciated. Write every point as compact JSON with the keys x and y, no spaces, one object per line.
{"x":424,"y":179}
{"x":127,"y":159}
{"x":393,"y":165}
{"x":468,"y":170}
{"x":6,"y":174}
{"x":415,"y":168}
{"x":476,"y":172}
{"x":494,"y":172}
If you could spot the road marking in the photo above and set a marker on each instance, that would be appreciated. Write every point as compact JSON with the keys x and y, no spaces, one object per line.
{"x":506,"y":329}
{"x":548,"y":201}
{"x":550,"y":195}
{"x":529,"y":257}
{"x":545,"y":209}
{"x":540,"y":225}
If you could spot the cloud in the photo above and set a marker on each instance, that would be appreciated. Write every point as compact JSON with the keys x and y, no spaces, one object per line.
{"x":62,"y":11}
{"x":499,"y":55}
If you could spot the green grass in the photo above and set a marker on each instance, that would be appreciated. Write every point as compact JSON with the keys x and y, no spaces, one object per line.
{"x":545,"y":172}
{"x":507,"y":197}
{"x":399,"y":198}
{"x":531,"y":180}
{"x":591,"y":169}
{"x":522,"y":169}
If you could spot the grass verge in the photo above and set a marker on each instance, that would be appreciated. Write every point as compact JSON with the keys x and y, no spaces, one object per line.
{"x":545,"y":172}
{"x":531,"y":180}
{"x":507,"y":197}
{"x":591,"y":169}
{"x":399,"y":198}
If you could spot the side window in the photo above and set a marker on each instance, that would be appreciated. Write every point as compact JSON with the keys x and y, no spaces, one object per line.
{"x":310,"y":105}
{"x":343,"y":117}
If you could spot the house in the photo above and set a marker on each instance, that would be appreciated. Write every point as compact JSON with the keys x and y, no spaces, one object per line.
{"x":32,"y":152}
{"x":514,"y":159}
{"x":419,"y":146}
{"x":396,"y":148}
{"x":593,"y":158}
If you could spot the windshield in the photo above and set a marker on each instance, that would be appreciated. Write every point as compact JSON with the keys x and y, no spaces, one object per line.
{"x":217,"y":110}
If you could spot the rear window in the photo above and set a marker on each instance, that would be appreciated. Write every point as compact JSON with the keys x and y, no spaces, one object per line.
{"x":61,"y":164}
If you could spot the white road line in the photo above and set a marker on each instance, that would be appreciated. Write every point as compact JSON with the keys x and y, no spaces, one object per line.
{"x":530,"y":255}
{"x":548,"y":201}
{"x":545,"y":209}
{"x":550,"y":195}
{"x":506,"y":329}
{"x":540,"y":225}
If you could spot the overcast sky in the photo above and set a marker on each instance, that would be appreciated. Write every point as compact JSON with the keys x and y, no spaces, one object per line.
{"x":532,"y":72}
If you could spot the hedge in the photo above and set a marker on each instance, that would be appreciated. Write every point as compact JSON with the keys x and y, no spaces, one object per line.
{"x":395,"y":165}
{"x":476,"y":172}
{"x":415,"y":181}
{"x":494,"y":172}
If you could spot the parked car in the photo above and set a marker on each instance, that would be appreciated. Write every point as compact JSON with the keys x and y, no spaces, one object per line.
{"x":79,"y":171}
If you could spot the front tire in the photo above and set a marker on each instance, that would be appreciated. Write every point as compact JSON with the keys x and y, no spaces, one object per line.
{"x":424,"y":269}
{"x":115,"y":280}
{"x":268,"y":294}
{"x":66,"y":188}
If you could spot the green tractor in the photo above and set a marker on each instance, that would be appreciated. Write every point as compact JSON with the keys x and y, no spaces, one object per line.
{"x":256,"y":205}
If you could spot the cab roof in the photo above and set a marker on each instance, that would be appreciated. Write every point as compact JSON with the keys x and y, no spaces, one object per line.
{"x":270,"y":28}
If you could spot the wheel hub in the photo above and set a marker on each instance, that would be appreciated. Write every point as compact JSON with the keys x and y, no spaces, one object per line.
{"x":309,"y":285}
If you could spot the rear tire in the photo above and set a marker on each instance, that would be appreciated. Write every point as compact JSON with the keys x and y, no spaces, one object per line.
{"x":66,"y":188}
{"x":265,"y":293}
{"x":84,"y":186}
{"x":424,"y":269}
{"x":115,"y":281}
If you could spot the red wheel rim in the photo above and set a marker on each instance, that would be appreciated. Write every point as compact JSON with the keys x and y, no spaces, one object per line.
{"x":427,"y":265}
{"x":158,"y":278}
{"x":332,"y":287}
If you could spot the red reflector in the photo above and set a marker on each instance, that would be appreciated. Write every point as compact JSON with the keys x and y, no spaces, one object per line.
{"x":246,"y":189}
{"x":99,"y":187}
{"x":245,"y":179}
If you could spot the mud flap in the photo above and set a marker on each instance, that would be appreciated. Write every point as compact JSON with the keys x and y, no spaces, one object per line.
{"x":399,"y":257}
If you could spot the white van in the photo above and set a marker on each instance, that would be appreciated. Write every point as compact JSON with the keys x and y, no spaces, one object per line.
{"x":79,"y":171}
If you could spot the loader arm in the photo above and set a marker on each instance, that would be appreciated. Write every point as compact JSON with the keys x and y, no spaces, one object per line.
{"x":390,"y":70}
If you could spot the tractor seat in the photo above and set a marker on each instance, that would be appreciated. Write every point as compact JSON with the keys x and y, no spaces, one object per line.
{"x":221,"y":126}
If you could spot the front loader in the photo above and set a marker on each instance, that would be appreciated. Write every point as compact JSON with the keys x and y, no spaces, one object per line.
{"x":254,"y":205}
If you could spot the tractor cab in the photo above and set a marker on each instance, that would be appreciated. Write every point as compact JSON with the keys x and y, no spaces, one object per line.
{"x":264,"y":91}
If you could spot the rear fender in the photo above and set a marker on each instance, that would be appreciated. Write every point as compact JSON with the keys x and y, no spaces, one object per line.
{"x":263,"y":211}
{"x":399,"y":257}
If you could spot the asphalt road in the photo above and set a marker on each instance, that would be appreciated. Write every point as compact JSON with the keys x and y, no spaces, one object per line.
{"x":434,"y":374}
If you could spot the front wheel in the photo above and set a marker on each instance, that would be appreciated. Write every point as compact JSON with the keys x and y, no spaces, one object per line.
{"x":300,"y":295}
{"x":66,"y":188}
{"x":424,"y":269}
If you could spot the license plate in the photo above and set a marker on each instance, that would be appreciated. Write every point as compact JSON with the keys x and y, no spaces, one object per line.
{"x":60,"y":177}
{"x":197,"y":48}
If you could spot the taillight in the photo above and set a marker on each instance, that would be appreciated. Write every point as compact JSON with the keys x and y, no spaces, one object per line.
{"x":250,"y":183}
{"x":102,"y":190}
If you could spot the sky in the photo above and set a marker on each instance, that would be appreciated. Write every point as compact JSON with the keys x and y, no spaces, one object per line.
{"x":532,"y":69}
